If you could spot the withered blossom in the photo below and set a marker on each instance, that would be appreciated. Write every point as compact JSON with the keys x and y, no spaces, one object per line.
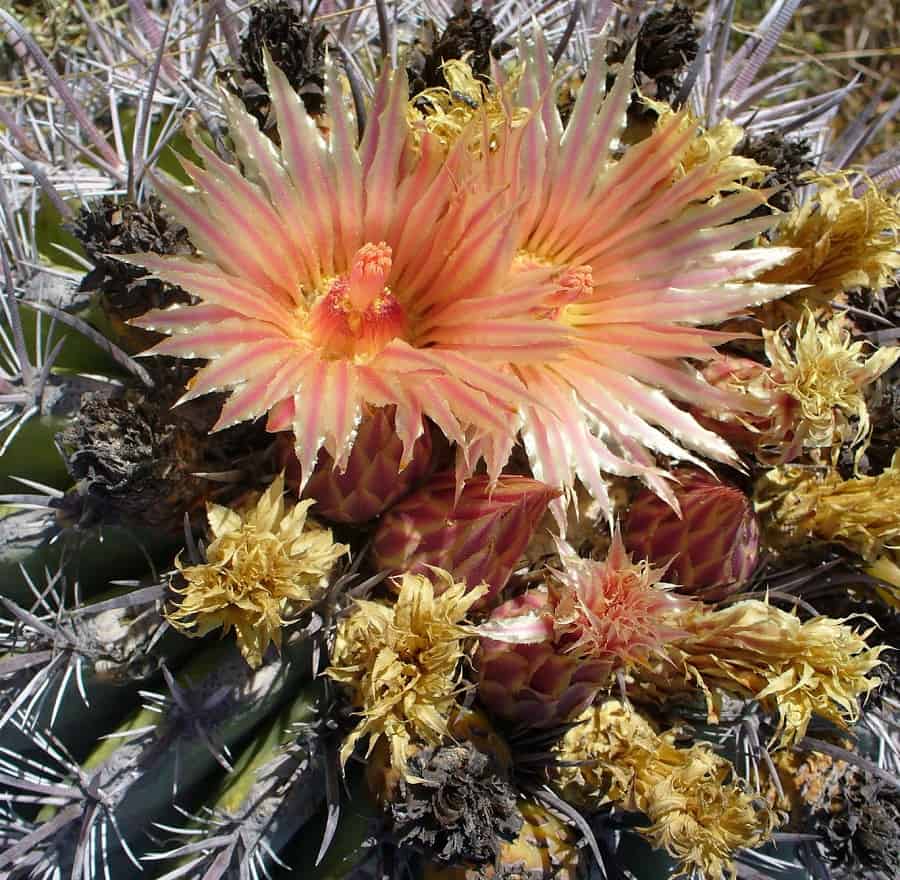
{"x":295,"y":44}
{"x":461,"y":811}
{"x":402,"y":663}
{"x":803,"y":504}
{"x":698,"y":809}
{"x":469,"y":35}
{"x":786,"y":160}
{"x":794,"y":668}
{"x":843,"y":239}
{"x":813,"y":396}
{"x":826,"y":372}
{"x":265,"y":564}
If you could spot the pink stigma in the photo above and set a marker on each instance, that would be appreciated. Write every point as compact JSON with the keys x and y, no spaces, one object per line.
{"x":368,"y":275}
{"x":577,"y":282}
{"x":359,"y":315}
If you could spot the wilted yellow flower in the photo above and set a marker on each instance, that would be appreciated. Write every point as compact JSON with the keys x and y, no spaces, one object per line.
{"x":843,"y":240}
{"x":886,"y":569}
{"x":700,"y":815}
{"x":262,"y":567}
{"x":826,"y":373}
{"x":448,"y":112}
{"x":402,"y":661}
{"x":862,"y":514}
{"x":799,"y":669}
{"x":714,"y":146}
{"x":811,"y":397}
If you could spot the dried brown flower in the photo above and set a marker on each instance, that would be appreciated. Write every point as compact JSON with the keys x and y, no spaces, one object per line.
{"x":461,"y":811}
{"x":297,"y":47}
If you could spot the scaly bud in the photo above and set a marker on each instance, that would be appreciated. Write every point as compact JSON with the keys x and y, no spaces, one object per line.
{"x":712,"y":547}
{"x":479,"y":538}
{"x":373,"y":479}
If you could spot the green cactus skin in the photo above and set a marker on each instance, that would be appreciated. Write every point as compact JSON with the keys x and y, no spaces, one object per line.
{"x":359,"y":815}
{"x":156,"y":762}
{"x":277,"y":784}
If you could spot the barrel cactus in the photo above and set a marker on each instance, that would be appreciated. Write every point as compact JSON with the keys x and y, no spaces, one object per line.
{"x":320,"y":329}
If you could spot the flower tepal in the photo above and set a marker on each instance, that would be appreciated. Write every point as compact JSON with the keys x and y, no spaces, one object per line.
{"x":331,"y":278}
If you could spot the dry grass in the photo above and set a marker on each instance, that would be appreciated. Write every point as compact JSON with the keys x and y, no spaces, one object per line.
{"x":841,"y":41}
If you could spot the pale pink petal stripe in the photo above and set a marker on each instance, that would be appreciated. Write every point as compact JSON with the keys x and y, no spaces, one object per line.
{"x":190,"y":209}
{"x":585,"y":145}
{"x":258,"y":153}
{"x":281,"y":416}
{"x":341,"y":411}
{"x":309,"y":435}
{"x":214,"y":286}
{"x":239,"y":365}
{"x":689,"y":306}
{"x":271,"y":386}
{"x":307,"y":162}
{"x":182,"y":319}
{"x":250,"y":214}
{"x":215,"y":340}
{"x":625,"y":185}
{"x":505,"y":340}
{"x":646,"y":340}
{"x":381,"y":176}
{"x":346,"y":179}
{"x":420,"y":199}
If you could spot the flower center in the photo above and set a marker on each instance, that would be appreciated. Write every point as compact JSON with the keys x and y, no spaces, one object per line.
{"x":573,"y":283}
{"x":358,"y":315}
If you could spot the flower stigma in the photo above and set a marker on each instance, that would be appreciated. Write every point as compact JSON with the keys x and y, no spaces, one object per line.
{"x":359,"y":314}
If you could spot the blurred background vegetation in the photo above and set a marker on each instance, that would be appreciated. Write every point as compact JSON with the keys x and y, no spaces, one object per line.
{"x":841,"y":41}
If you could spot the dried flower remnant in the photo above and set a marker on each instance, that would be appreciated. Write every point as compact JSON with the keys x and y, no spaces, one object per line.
{"x":798,"y":669}
{"x":826,"y":372}
{"x":802,"y":504}
{"x":264,"y":565}
{"x":666,"y":44}
{"x":462,"y":809}
{"x":401,"y":661}
{"x":812,"y":397}
{"x":589,"y":619}
{"x":787,"y":161}
{"x":109,"y":228}
{"x":136,"y":461}
{"x":843,"y":241}
{"x":856,"y":816}
{"x":546,"y":847}
{"x":711,"y":547}
{"x":295,"y":45}
{"x":469,"y":36}
{"x":699,"y":812}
